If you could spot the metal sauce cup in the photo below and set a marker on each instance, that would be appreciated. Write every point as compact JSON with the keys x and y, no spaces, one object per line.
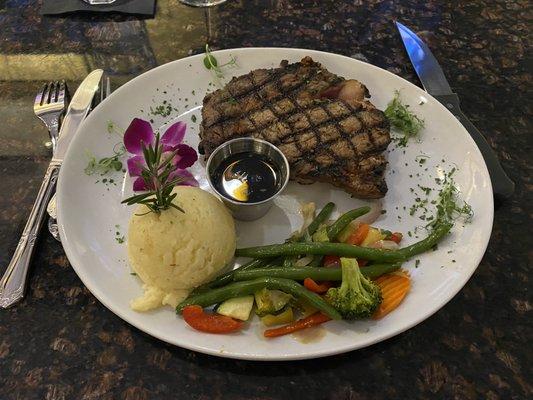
{"x":240,"y":210}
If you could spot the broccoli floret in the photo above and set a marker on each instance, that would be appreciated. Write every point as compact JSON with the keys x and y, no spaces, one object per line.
{"x":357,"y":297}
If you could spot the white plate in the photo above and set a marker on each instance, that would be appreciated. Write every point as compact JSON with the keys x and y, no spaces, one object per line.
{"x":89,"y":211}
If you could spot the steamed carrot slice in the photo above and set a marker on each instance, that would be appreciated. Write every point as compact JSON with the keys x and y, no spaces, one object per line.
{"x":394,"y":287}
{"x":359,"y":235}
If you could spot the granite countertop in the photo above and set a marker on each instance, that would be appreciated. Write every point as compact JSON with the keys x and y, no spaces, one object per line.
{"x":61,"y":343}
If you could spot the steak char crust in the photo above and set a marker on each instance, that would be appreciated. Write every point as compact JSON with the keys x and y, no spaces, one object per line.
{"x":320,"y":121}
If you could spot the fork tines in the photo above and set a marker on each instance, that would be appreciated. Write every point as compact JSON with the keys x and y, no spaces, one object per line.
{"x":52,"y":92}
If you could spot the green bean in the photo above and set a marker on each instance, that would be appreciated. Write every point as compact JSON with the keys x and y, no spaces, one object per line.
{"x":337,"y":227}
{"x":342,"y":222}
{"x":261,"y":263}
{"x":320,"y":248}
{"x":288,"y":262}
{"x":321,"y":217}
{"x":333,"y":230}
{"x":228,"y":276}
{"x":274,"y":262}
{"x":347,"y":250}
{"x":245,"y":288}
{"x":426,"y":244}
{"x":319,"y":274}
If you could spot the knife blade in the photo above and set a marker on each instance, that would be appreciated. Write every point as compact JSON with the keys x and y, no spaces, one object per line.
{"x":105,"y":90}
{"x":78,"y":108}
{"x":435,"y":83}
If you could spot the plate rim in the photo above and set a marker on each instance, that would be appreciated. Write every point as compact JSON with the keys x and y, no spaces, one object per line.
{"x":73,"y":258}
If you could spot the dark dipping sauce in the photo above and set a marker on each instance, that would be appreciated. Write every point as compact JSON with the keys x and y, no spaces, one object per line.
{"x":247,"y":177}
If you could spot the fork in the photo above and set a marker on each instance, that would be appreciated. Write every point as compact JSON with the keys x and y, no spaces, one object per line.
{"x":49,"y":106}
{"x":105,"y":90}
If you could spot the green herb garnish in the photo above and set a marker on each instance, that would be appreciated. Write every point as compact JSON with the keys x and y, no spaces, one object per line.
{"x":426,"y":190}
{"x":212,"y":64}
{"x":449,"y":207}
{"x":401,"y":118}
{"x":421,"y":159}
{"x":106,"y":164}
{"x":163,"y":110}
{"x":110,"y":127}
{"x":156,"y":175}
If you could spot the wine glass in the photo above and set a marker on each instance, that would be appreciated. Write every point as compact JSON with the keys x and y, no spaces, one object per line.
{"x":96,"y":2}
{"x":202,"y":3}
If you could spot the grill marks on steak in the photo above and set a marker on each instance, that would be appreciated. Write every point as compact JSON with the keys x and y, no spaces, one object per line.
{"x":321,"y":122}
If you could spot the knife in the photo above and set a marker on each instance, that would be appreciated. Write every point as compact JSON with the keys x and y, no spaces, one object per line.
{"x":105,"y":90}
{"x":434,"y":82}
{"x":13,"y":283}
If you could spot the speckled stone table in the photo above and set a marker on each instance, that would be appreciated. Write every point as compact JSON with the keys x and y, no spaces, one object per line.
{"x":61,"y":343}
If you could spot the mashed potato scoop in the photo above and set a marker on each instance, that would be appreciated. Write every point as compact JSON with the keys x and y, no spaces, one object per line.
{"x":173,"y":252}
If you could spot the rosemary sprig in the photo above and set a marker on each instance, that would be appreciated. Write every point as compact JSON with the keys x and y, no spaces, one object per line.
{"x":156,"y":176}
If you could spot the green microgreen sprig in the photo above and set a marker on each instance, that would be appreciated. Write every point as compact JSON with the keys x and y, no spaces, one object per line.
{"x":212,"y":64}
{"x":105,"y":165}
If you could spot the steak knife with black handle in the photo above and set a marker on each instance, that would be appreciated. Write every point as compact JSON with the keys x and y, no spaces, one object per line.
{"x":434,"y":82}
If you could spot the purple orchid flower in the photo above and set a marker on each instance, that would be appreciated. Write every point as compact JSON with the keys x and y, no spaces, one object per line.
{"x":140,"y":133}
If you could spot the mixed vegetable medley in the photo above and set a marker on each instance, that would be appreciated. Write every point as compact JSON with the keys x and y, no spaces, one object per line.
{"x":342,"y":270}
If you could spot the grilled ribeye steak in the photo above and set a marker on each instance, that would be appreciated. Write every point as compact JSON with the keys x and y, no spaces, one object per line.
{"x":320,"y":121}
